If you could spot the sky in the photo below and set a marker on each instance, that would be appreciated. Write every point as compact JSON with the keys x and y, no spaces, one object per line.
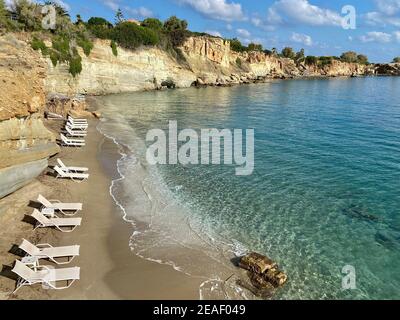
{"x":315,"y":25}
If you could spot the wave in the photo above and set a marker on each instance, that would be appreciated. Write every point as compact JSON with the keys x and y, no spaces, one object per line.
{"x":164,"y":231}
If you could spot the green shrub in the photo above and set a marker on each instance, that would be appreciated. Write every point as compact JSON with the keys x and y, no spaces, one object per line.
{"x":86,"y":45}
{"x":98,"y":21}
{"x":152,"y":23}
{"x":61,"y":45}
{"x":239,"y":62}
{"x":75,"y":63}
{"x":255,"y":47}
{"x":311,"y":60}
{"x":325,"y":61}
{"x":175,"y":24}
{"x":288,"y":53}
{"x":396,"y":60}
{"x":100,"y":27}
{"x":114,"y":49}
{"x":237,"y":46}
{"x":54,"y":57}
{"x":130,"y":35}
{"x":38,"y":44}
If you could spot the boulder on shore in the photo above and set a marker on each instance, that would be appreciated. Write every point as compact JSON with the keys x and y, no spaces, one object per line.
{"x":263,"y":272}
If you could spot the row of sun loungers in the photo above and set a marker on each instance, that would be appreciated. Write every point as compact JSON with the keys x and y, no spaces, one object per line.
{"x":74,"y":132}
{"x":58,"y":215}
{"x":29,"y":270}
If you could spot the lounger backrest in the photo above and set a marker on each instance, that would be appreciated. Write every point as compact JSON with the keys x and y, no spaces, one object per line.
{"x":23,"y":271}
{"x":39,"y":217}
{"x":63,"y":138}
{"x":62,"y":165}
{"x":44,"y":201}
{"x":59,"y":171}
{"x":29,"y":248}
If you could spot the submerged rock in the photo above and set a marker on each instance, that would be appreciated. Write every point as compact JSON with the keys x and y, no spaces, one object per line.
{"x":264,"y":273}
{"x":358,"y":212}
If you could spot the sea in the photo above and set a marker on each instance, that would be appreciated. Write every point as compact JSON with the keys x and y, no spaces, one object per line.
{"x":323,"y":200}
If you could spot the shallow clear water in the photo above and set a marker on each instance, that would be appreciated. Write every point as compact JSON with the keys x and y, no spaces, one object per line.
{"x":325,"y":192}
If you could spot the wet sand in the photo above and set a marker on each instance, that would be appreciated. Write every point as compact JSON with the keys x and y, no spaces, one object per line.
{"x":109,"y":270}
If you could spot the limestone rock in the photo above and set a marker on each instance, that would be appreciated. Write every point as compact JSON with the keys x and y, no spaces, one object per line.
{"x":15,"y":177}
{"x":25,"y":140}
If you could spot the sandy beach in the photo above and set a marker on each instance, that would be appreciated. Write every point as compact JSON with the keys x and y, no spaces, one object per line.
{"x":109,"y":270}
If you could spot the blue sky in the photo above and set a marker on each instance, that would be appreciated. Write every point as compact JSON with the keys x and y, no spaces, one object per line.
{"x":315,"y":25}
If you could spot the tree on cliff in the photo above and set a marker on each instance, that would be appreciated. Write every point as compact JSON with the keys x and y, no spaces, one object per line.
{"x":27,"y":15}
{"x":288,"y":53}
{"x":255,"y":47}
{"x":119,"y":16}
{"x":176,"y":29}
{"x":152,"y":23}
{"x":349,"y":56}
{"x":363,"y":59}
{"x":237,"y":46}
{"x":396,"y":60}
{"x":300,"y":56}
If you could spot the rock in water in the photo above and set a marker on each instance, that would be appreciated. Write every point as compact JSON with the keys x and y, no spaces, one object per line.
{"x":263,"y":272}
{"x":256,"y":263}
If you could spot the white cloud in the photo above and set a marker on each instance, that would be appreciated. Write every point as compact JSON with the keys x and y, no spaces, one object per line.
{"x":214,"y":33}
{"x":397,"y":35}
{"x":376,"y":36}
{"x":303,"y":12}
{"x":243,"y":33}
{"x":140,"y":12}
{"x":112,"y":4}
{"x":299,"y":11}
{"x":217,"y":9}
{"x":389,"y":7}
{"x":302,"y":38}
{"x":379,"y":19}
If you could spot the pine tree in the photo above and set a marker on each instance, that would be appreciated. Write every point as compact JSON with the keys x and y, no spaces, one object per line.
{"x":119,"y":16}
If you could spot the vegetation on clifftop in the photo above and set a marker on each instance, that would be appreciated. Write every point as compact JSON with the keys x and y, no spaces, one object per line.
{"x":169,"y":35}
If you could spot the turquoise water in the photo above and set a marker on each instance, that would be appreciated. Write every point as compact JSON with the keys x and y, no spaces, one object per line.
{"x":325,"y":191}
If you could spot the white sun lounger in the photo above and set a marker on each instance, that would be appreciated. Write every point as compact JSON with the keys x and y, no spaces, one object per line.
{"x":47,"y":276}
{"x":77,"y":121}
{"x":62,"y":224}
{"x":77,"y":127}
{"x":77,"y":177}
{"x":71,"y":142}
{"x":68,"y":209}
{"x":75,"y":133}
{"x":73,"y":169}
{"x":54,"y":116}
{"x":72,"y":119}
{"x":46,"y":251}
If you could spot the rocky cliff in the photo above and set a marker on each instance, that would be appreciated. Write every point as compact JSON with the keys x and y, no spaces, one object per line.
{"x":25,"y":143}
{"x":104,"y":73}
{"x":204,"y":61}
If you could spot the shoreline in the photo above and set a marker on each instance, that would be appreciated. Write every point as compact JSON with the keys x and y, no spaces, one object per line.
{"x":109,"y":270}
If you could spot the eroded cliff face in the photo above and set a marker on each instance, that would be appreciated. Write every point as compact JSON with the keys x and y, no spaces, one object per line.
{"x":104,"y":73}
{"x":207,"y":61}
{"x":25,"y":143}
